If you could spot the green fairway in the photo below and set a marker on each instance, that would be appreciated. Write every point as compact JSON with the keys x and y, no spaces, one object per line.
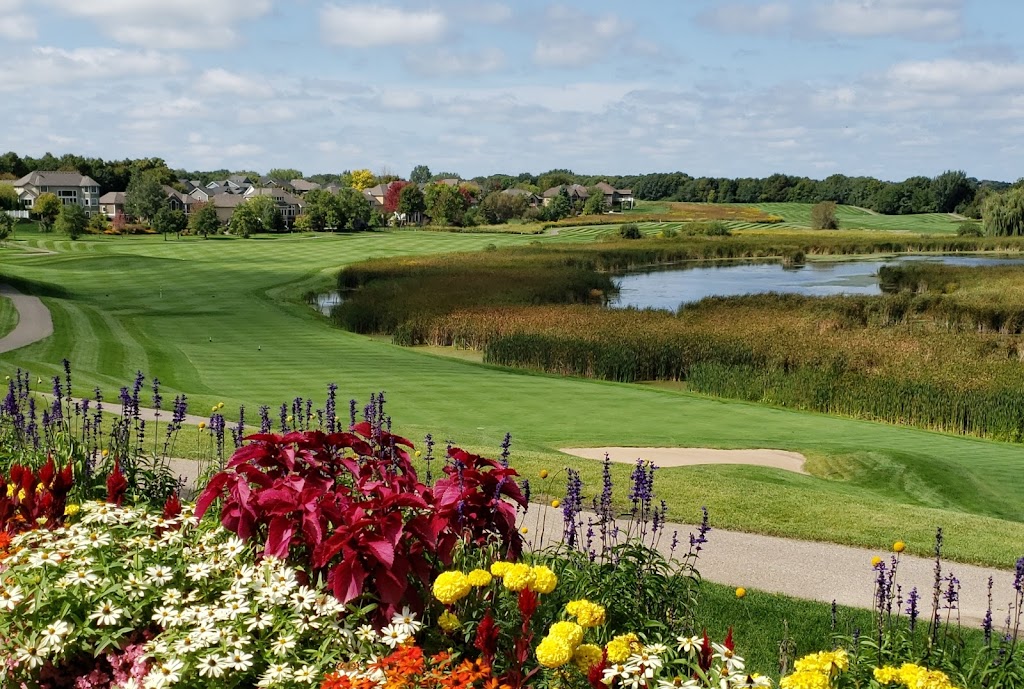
{"x":8,"y":316}
{"x":854,"y":218}
{"x":225,"y":320}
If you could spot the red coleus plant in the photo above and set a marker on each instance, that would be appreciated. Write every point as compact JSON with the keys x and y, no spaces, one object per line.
{"x":350,"y":504}
{"x":30,"y":499}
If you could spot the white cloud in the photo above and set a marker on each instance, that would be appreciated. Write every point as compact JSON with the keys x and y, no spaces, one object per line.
{"x":14,"y":24}
{"x":926,"y":19}
{"x":363,"y":26}
{"x":181,"y":25}
{"x":220,"y":81}
{"x":574,"y":39}
{"x":269,"y":114}
{"x":46,"y":65}
{"x":446,"y":62}
{"x":958,"y":76}
{"x":745,"y":17}
{"x":168,"y":108}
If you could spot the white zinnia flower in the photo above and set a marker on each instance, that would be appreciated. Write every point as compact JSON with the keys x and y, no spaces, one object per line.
{"x":11,"y":597}
{"x":55,"y":633}
{"x":690,"y":644}
{"x":406,"y":621}
{"x":159,"y":574}
{"x":282,"y":644}
{"x":366,"y":633}
{"x":306,"y":675}
{"x":107,"y":614}
{"x":32,"y":656}
{"x":213,"y":666}
{"x":239,"y":661}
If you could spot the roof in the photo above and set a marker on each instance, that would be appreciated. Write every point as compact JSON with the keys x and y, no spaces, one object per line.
{"x":518,"y":192}
{"x":608,"y":189}
{"x":184,"y":198}
{"x":578,"y":189}
{"x":56,"y":179}
{"x":276,"y":193}
{"x":227,"y":200}
{"x":304,"y":185}
{"x":379,"y":190}
{"x":114,"y":197}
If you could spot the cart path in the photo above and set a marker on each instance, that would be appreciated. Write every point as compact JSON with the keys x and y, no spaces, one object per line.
{"x":34,"y":321}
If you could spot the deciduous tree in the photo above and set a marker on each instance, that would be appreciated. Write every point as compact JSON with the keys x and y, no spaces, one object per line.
{"x":203,"y":220}
{"x":244,"y":221}
{"x":145,"y":196}
{"x":353,"y":209}
{"x":595,"y":202}
{"x":445,"y":205}
{"x":71,"y":221}
{"x":285,"y":174}
{"x":46,"y":207}
{"x":420,"y":174}
{"x":9,"y":198}
{"x":169,"y":221}
{"x":98,"y":223}
{"x":498,"y":207}
{"x":392,"y":194}
{"x":823,"y":216}
{"x":1003,"y":214}
{"x":410,"y":201}
{"x":6,"y":226}
{"x":362,"y":179}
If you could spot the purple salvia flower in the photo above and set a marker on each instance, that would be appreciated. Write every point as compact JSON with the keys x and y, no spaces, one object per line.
{"x":284,"y":417}
{"x":524,"y":486}
{"x":352,"y":412}
{"x":571,"y":506}
{"x":986,"y":622}
{"x":331,"y":410}
{"x":913,"y":610}
{"x":264,"y":419}
{"x":67,"y":375}
{"x":506,"y":449}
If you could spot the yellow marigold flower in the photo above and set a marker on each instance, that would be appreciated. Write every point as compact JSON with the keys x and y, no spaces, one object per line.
{"x":499,"y":569}
{"x":556,"y":503}
{"x":805,"y":680}
{"x":418,"y":453}
{"x":543,"y":473}
{"x":518,"y":577}
{"x":586,"y":656}
{"x":448,"y":622}
{"x":887,"y":675}
{"x":741,"y":592}
{"x":202,"y":425}
{"x":71,"y":510}
{"x":451,"y":586}
{"x":106,"y":452}
{"x":570,"y":631}
{"x":544,"y":580}
{"x":875,"y":561}
{"x":553,"y":651}
{"x":899,"y":547}
{"x":621,"y":647}
{"x":213,"y":408}
{"x":826,"y":662}
{"x":479,"y":577}
{"x":524,"y":530}
{"x":586,"y":613}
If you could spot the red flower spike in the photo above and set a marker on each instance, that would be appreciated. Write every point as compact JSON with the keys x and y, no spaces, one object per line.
{"x":117,"y":486}
{"x":728,"y":643}
{"x":705,"y":655}
{"x":486,"y":640}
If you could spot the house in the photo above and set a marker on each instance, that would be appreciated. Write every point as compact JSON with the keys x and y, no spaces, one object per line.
{"x":301,"y":186}
{"x":235,"y":184}
{"x":377,"y":195}
{"x":577,"y":193}
{"x":615,"y":198}
{"x":291,"y":206}
{"x":199,"y":195}
{"x":376,"y":203}
{"x":112,"y":204}
{"x":530,"y":197}
{"x":225,"y":205}
{"x":69,"y":187}
{"x":179,"y":201}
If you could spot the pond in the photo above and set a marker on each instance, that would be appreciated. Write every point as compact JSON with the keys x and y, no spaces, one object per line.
{"x":667,"y":288}
{"x":325,"y":302}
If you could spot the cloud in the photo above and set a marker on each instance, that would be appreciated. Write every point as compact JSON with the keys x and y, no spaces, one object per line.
{"x":747,"y":18}
{"x":268,"y":114}
{"x":47,"y":65}
{"x":922,"y":19}
{"x":364,"y":26}
{"x":14,"y":24}
{"x":181,"y":25}
{"x":574,"y":39}
{"x":446,"y":62}
{"x":957,"y":76}
{"x":220,"y":82}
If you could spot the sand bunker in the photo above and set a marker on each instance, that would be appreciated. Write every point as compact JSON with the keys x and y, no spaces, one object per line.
{"x":690,"y":456}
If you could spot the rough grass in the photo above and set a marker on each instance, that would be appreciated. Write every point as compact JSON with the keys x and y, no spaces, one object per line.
{"x":855,"y":218}
{"x":226,"y":321}
{"x":8,"y":316}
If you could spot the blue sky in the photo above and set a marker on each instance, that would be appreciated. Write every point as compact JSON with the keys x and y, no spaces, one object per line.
{"x":889,"y":88}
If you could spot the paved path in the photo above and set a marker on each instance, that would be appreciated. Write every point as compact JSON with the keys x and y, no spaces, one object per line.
{"x":34,"y":322}
{"x":803,"y":569}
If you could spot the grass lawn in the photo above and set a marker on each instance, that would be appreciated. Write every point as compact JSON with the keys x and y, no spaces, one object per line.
{"x":8,"y":316}
{"x":224,"y":320}
{"x":855,"y":218}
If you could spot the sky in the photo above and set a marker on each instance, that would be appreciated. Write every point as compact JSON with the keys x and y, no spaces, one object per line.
{"x":888,"y":88}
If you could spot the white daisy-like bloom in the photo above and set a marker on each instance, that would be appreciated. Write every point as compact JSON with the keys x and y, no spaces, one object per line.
{"x":172,"y":596}
{"x":130,"y":683}
{"x":32,"y":656}
{"x":11,"y":597}
{"x":238,"y":660}
{"x":690,"y":644}
{"x":304,"y":623}
{"x":406,"y":621}
{"x":303,"y":599}
{"x":43,"y":558}
{"x":81,"y":577}
{"x":98,"y":539}
{"x":644,"y":663}
{"x":134,"y":585}
{"x":171,"y":538}
{"x":244,"y":575}
{"x":213,"y":666}
{"x":187,"y":644}
{"x":164,"y":616}
{"x":159,"y":574}
{"x":236,"y":593}
{"x":275,"y":674}
{"x":233,"y":547}
{"x":732,"y":662}
{"x":230,"y":610}
{"x":261,"y":621}
{"x":678,"y":683}
{"x":198,"y":571}
{"x":99,"y":513}
{"x":306,"y":675}
{"x":237,"y":641}
{"x":366,"y":633}
{"x":329,"y":606}
{"x":283,"y":644}
{"x":53,"y":634}
{"x":613,"y":672}
{"x":107,"y":614}
{"x":656,"y":649}
{"x":166,"y":673}
{"x":746,"y":681}
{"x":392,"y":636}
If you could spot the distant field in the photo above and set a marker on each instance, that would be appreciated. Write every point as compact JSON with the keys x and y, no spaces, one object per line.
{"x":854,"y":218}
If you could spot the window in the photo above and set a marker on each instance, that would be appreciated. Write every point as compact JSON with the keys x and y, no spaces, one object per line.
{"x":68,"y":193}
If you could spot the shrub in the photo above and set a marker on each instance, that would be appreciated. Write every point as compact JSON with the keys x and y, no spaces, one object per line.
{"x":969,"y":229}
{"x":630,"y":231}
{"x":823,"y":216}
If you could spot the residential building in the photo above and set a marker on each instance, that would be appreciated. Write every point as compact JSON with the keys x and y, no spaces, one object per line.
{"x":112,"y":203}
{"x":301,"y":186}
{"x":290,"y":205}
{"x":225,"y":205}
{"x":69,"y":187}
{"x":179,"y":201}
{"x":577,"y":193}
{"x":615,"y":199}
{"x":530,"y":197}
